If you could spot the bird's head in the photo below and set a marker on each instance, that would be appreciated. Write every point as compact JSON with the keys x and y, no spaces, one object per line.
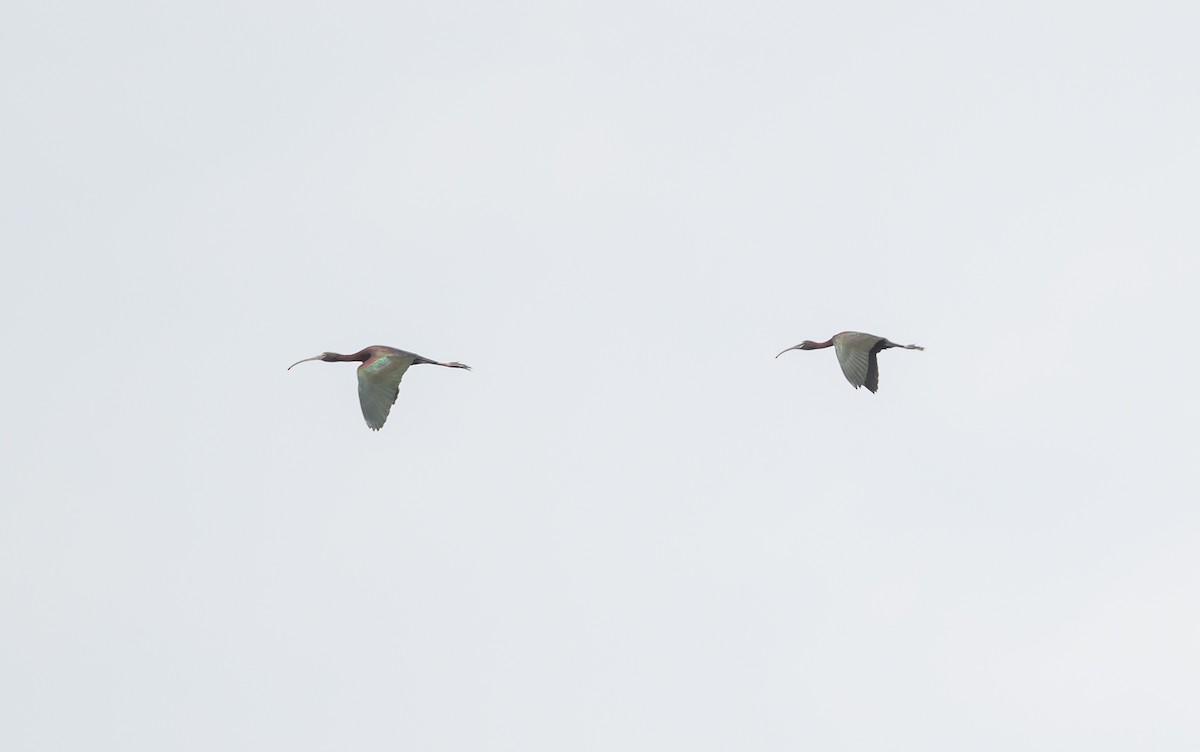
{"x":323,"y":356}
{"x":805,"y":345}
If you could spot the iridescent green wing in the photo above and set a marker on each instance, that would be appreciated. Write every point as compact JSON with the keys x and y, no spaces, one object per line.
{"x":854,"y":359}
{"x":378,"y":385}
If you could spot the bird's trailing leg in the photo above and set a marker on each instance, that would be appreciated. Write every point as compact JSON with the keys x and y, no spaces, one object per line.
{"x":426,"y":361}
{"x":887,"y":344}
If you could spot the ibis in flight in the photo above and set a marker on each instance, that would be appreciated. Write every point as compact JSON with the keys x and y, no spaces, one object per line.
{"x":378,"y":377}
{"x":856,"y":352}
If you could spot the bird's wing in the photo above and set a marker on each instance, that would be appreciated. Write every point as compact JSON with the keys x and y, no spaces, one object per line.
{"x":855,"y":361}
{"x":872,"y":381}
{"x":378,"y":385}
{"x":856,"y":365}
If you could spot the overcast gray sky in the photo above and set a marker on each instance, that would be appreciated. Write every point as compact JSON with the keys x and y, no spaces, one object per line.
{"x":629,"y":528}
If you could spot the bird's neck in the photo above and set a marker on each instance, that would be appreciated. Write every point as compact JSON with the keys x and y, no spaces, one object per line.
{"x":361,"y":356}
{"x":822,"y":345}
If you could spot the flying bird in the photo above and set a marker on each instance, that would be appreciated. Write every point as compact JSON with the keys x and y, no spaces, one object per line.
{"x":856,"y":352}
{"x":378,"y":377}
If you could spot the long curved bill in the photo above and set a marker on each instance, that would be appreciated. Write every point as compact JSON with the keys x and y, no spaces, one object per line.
{"x":796,"y":347}
{"x":298,"y":362}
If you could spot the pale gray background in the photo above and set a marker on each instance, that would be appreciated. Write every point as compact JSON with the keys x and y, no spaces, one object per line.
{"x":629,"y":528}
